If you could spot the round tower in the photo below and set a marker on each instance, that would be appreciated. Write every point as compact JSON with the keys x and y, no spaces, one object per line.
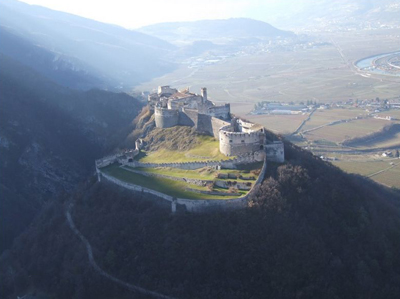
{"x":166,"y":118}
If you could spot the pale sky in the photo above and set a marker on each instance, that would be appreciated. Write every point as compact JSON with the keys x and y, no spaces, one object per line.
{"x":137,"y":13}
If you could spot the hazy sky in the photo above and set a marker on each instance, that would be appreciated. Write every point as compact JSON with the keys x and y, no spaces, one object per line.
{"x":137,"y":13}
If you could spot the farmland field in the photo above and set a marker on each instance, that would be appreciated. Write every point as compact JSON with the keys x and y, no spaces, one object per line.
{"x":392,"y":113}
{"x":389,"y":177}
{"x":282,"y":124}
{"x":365,"y":168}
{"x":340,"y":132}
{"x":321,"y":74}
{"x":322,"y":117}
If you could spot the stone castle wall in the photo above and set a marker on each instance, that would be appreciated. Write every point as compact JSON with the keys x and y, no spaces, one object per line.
{"x":203,"y":123}
{"x":216,"y":125}
{"x":166,"y":118}
{"x":188,"y":117}
{"x":239,"y":143}
{"x":222,"y":111}
{"x":194,"y":205}
{"x":275,"y":151}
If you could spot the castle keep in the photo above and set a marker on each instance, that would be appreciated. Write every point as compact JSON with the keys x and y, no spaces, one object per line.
{"x":236,"y":137}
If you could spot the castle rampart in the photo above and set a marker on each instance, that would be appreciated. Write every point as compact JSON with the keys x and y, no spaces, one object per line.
{"x":222,"y":112}
{"x":166,"y":118}
{"x":239,"y":143}
{"x":194,"y":205}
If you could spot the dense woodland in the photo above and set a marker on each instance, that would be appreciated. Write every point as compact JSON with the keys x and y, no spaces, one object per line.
{"x":50,"y":136}
{"x":311,"y":231}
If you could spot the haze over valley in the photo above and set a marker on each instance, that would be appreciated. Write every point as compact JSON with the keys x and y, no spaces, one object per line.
{"x":200,"y":149}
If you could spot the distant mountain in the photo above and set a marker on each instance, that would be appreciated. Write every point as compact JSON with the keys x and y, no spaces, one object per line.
{"x":49,"y":138}
{"x":332,"y":15}
{"x":215,"y":30}
{"x":58,"y":44}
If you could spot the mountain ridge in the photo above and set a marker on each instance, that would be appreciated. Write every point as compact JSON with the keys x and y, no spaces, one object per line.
{"x":215,"y":29}
{"x":118,"y":57}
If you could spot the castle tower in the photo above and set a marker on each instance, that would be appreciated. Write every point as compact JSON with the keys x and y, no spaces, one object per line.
{"x":204,"y":93}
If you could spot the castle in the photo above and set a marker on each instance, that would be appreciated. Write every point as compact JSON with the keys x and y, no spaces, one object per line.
{"x":236,"y":137}
{"x":242,"y":140}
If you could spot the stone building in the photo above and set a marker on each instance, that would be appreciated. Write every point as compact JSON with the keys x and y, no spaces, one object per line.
{"x":237,"y":137}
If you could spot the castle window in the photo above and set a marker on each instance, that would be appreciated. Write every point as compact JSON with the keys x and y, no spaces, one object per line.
{"x":230,"y":140}
{"x":242,"y":141}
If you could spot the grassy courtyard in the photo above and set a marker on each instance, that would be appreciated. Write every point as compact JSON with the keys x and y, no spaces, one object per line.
{"x":205,"y":148}
{"x":205,"y":173}
{"x":166,"y":186}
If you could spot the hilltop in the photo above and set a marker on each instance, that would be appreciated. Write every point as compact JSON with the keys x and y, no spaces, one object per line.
{"x":311,"y":231}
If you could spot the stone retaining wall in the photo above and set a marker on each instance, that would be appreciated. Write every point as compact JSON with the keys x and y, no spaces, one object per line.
{"x":192,"y":205}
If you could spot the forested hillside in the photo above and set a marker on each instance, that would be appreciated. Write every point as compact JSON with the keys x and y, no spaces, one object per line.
{"x":312,"y":231}
{"x":79,"y":52}
{"x":50,"y":136}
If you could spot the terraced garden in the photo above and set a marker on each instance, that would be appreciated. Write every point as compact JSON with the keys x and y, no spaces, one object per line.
{"x":183,"y":189}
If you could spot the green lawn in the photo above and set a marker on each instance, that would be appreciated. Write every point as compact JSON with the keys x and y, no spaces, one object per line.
{"x":202,"y":173}
{"x":169,"y":187}
{"x":206,"y":149}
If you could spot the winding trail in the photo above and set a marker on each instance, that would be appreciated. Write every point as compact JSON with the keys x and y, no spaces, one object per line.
{"x":93,"y":263}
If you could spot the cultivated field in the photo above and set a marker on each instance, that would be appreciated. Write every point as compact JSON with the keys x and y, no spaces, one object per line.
{"x":365,"y":168}
{"x":380,"y":171}
{"x":340,"y":132}
{"x":392,"y":113}
{"x":323,"y":117}
{"x":323,"y":74}
{"x":390,"y":177}
{"x":280,"y":124}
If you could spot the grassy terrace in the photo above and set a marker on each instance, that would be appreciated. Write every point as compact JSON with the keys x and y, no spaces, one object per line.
{"x":169,"y":187}
{"x":206,"y":149}
{"x":204,"y":173}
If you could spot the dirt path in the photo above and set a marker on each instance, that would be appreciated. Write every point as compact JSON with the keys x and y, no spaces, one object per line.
{"x":101,"y":271}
